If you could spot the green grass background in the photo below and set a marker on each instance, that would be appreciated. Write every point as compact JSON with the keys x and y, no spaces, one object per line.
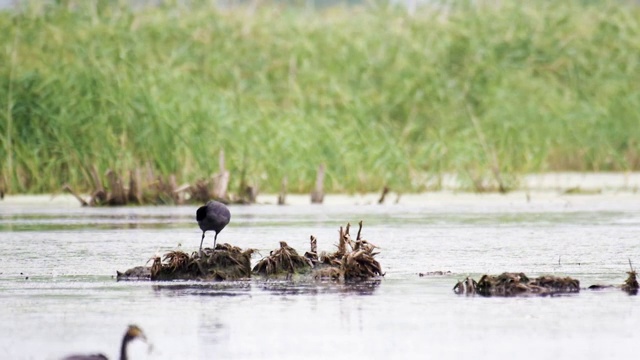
{"x":378,"y":95}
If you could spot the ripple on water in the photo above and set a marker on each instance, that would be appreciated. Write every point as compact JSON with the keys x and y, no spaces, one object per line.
{"x":71,"y":302}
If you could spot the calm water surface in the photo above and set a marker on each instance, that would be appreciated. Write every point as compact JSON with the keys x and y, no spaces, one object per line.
{"x":71,"y":303}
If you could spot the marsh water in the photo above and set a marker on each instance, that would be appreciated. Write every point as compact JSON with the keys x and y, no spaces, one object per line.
{"x":58,"y":293}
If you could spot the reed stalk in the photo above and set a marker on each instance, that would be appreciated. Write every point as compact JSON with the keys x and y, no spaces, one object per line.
{"x":380,"y":96}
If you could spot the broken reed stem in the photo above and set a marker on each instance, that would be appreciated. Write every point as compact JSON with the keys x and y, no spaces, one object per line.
{"x":317,"y":196}
{"x":359,"y":230}
{"x":135,"y":193}
{"x":68,"y":189}
{"x":342,"y":244}
{"x":142,"y":187}
{"x":314,"y":244}
{"x":385,"y":191}
{"x":283,"y":192}
{"x":116,"y":196}
{"x":250,"y":194}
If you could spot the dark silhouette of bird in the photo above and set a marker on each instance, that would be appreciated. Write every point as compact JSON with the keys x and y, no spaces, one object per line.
{"x":133,"y":332}
{"x":213,"y":216}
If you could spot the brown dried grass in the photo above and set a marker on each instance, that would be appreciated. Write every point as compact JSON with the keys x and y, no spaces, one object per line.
{"x":284,"y":260}
{"x":514,"y":284}
{"x":354,"y":260}
{"x":227,"y":262}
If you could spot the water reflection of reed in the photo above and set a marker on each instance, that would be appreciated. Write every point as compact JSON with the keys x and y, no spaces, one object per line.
{"x":320,"y":288}
{"x":235,"y":288}
{"x":243,"y":288}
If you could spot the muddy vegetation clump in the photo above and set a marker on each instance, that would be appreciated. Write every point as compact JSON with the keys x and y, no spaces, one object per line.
{"x":517,"y":284}
{"x":140,"y":187}
{"x":354,"y":260}
{"x":143,"y":187}
{"x":631,"y":284}
{"x":227,"y":262}
{"x":283,"y":261}
{"x":136,"y":273}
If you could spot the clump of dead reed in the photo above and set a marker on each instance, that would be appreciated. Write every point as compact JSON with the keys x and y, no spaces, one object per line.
{"x":284,"y":260}
{"x":517,"y":284}
{"x":144,"y":187}
{"x":227,"y":262}
{"x":631,"y":284}
{"x":354,"y":260}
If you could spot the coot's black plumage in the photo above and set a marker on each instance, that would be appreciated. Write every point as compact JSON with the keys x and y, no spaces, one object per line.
{"x":213,"y":216}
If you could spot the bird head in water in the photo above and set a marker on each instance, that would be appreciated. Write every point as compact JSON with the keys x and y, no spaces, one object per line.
{"x":134,"y":332}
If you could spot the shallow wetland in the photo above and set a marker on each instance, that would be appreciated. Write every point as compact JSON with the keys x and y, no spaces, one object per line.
{"x":60,"y":295}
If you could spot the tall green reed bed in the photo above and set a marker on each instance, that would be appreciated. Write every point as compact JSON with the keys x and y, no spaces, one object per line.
{"x":485,"y":91}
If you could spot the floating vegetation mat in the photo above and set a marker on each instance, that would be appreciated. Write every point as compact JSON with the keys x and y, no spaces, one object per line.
{"x":630,"y":285}
{"x":136,"y":273}
{"x":354,"y":260}
{"x":227,"y":262}
{"x":517,"y":284}
{"x":283,"y":261}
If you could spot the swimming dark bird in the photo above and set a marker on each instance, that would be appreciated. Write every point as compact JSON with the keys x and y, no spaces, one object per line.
{"x":213,"y":216}
{"x":133,"y":332}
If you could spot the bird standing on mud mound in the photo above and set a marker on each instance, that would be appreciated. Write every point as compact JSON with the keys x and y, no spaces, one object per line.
{"x":213,"y":216}
{"x":133,"y":332}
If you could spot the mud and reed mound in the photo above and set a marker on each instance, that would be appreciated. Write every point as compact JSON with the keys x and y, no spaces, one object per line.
{"x":283,"y":261}
{"x":517,"y":284}
{"x":227,"y":262}
{"x":354,"y":260}
{"x":630,"y":285}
